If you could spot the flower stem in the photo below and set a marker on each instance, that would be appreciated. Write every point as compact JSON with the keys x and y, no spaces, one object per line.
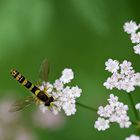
{"x":133,"y":106}
{"x":87,"y":107}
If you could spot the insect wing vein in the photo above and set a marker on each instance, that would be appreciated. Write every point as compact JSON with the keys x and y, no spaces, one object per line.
{"x":44,"y":70}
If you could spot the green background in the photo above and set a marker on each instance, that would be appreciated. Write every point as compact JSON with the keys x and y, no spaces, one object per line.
{"x":80,"y":34}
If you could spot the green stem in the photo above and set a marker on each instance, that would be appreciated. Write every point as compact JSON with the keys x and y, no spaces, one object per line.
{"x":133,"y":106}
{"x":87,"y":107}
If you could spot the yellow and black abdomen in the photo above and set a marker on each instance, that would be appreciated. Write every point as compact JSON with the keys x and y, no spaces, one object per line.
{"x":34,"y":89}
{"x":22,"y":80}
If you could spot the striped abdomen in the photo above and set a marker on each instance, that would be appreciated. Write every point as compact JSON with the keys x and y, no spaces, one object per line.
{"x":34,"y":89}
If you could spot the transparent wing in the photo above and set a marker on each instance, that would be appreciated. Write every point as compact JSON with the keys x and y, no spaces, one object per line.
{"x":21,"y":104}
{"x":44,"y":70}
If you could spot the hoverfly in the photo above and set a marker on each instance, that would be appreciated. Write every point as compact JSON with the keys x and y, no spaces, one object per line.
{"x":38,"y":95}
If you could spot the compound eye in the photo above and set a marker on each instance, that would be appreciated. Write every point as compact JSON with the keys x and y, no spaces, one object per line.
{"x":51,"y":99}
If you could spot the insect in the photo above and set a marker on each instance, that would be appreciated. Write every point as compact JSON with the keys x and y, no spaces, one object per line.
{"x":38,"y":95}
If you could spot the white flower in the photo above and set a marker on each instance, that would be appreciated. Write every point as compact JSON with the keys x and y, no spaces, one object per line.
{"x":101,"y":124}
{"x":58,"y":85}
{"x":137,"y":106}
{"x":137,"y":49}
{"x":64,"y":96}
{"x":49,"y":87}
{"x":121,"y":109}
{"x":115,"y":111}
{"x":46,"y":86}
{"x":55,"y":109}
{"x":124,"y":79}
{"x":136,"y":79}
{"x":135,"y":37}
{"x":124,"y":121}
{"x":133,"y":29}
{"x":67,"y":94}
{"x":105,"y":111}
{"x":128,"y":85}
{"x":126,"y":67}
{"x":101,"y":111}
{"x":113,"y":100}
{"x":67,"y":76}
{"x":110,"y":83}
{"x":56,"y":94}
{"x":112,"y":65}
{"x":69,"y":108}
{"x":113,"y":117}
{"x":133,"y":137}
{"x":76,"y":91}
{"x":130,"y":27}
{"x":43,"y":108}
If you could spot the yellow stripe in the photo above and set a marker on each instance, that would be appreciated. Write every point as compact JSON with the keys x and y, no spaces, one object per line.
{"x":31,"y":87}
{"x":18,"y":77}
{"x":46,"y":93}
{"x":13,"y":72}
{"x":24,"y":82}
{"x":36,"y":92}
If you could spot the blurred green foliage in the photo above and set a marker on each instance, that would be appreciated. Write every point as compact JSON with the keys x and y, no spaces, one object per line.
{"x":80,"y":34}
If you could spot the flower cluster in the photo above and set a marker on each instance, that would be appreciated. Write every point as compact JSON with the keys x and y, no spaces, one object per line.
{"x":64,"y":95}
{"x":133,"y":137}
{"x":133,"y":29}
{"x":123,"y":76}
{"x":114,"y":111}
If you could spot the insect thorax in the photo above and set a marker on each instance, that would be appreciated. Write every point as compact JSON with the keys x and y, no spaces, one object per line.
{"x":43,"y":97}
